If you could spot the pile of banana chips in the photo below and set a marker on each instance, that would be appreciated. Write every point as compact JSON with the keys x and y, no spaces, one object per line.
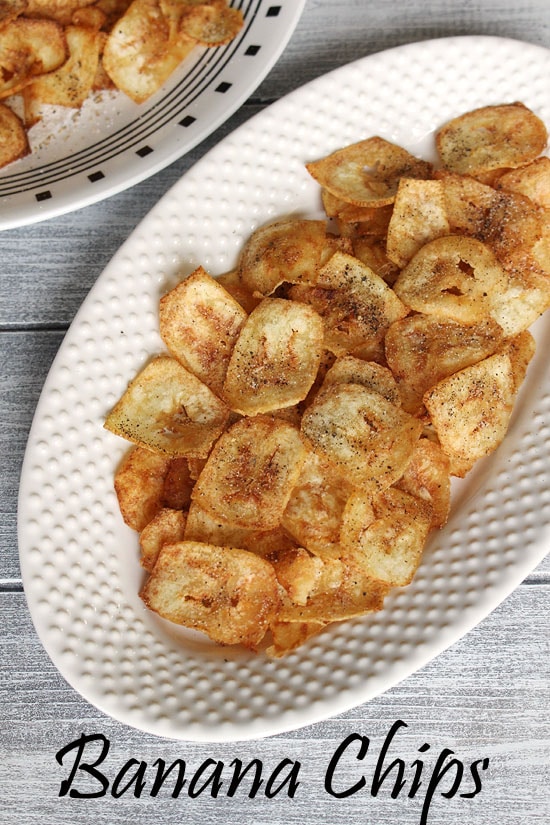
{"x":59,"y":52}
{"x":293,"y":448}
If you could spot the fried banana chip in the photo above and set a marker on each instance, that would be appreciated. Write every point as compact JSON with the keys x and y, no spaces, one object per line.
{"x":139,"y":486}
{"x":166,"y":527}
{"x":531,"y":180}
{"x":287,"y":636}
{"x":288,"y":251}
{"x":248,"y":478}
{"x":275,"y":358}
{"x":385,"y":536}
{"x":10,"y":10}
{"x":452,"y":277}
{"x":143,"y":50}
{"x":356,"y":305}
{"x":313,"y":515}
{"x":14,"y":143}
{"x":427,"y":476}
{"x":418,"y":216}
{"x":199,"y":323}
{"x":492,"y":137}
{"x":304,"y":575}
{"x":71,"y":83}
{"x":29,"y":48}
{"x":367,"y":173}
{"x":229,"y":594}
{"x":202,"y":526}
{"x":423,"y":349}
{"x":209,"y":24}
{"x":169,"y":410}
{"x":61,"y":11}
{"x":471,"y":409}
{"x":351,"y":370}
{"x":369,"y":439}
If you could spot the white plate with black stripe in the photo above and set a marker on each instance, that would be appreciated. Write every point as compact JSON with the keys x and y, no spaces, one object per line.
{"x":82,"y":156}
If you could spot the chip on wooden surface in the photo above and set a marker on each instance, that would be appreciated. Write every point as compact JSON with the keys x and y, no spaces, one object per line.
{"x":275,"y":358}
{"x":423,"y":349}
{"x":166,"y":527}
{"x":250,"y":472}
{"x":367,"y":173}
{"x":199,"y":322}
{"x":139,"y":486}
{"x":228,"y":593}
{"x":454,"y":277}
{"x":471,"y":409}
{"x":169,"y":410}
{"x":369,"y":440}
{"x":491,"y":137}
{"x":385,"y":536}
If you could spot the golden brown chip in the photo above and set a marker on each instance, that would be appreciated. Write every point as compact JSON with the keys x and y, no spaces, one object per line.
{"x":166,"y":527}
{"x":532,"y":180}
{"x":369,"y":439}
{"x":284,"y":251}
{"x":385,"y":536}
{"x":248,"y":478}
{"x":229,"y":594}
{"x":143,"y":50}
{"x":351,"y":370}
{"x":287,"y":636}
{"x":202,"y":526}
{"x":275,"y":358}
{"x":71,"y":83}
{"x":178,"y":484}
{"x":356,"y":305}
{"x":208,"y":24}
{"x":199,"y":323}
{"x":59,"y":10}
{"x":492,"y":137}
{"x":14,"y":143}
{"x":520,"y":349}
{"x":452,"y":277}
{"x":313,"y":515}
{"x":304,"y":575}
{"x":427,"y":476}
{"x":29,"y":48}
{"x":418,"y":216}
{"x":169,"y":410}
{"x":10,"y":9}
{"x":232,"y":282}
{"x":471,"y":410}
{"x":423,"y":349}
{"x":139,"y":486}
{"x":372,"y":252}
{"x":367,"y":173}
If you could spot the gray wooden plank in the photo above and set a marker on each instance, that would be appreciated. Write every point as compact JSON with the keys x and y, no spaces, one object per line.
{"x":486,"y":697}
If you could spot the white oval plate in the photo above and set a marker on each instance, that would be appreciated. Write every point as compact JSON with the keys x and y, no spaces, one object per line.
{"x":80,"y":563}
{"x":83,"y":156}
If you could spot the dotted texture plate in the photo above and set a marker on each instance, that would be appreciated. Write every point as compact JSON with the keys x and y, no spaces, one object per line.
{"x":80,"y":563}
{"x":82,"y":156}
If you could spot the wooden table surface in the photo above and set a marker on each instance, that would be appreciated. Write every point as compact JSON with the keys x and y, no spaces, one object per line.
{"x":487,"y":697}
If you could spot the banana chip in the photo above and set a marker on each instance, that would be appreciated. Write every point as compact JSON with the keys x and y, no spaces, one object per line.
{"x":14,"y":143}
{"x":492,"y":137}
{"x":367,"y":173}
{"x":229,"y":593}
{"x":29,"y":48}
{"x":168,"y":410}
{"x":166,"y":527}
{"x":248,"y":478}
{"x":275,"y":357}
